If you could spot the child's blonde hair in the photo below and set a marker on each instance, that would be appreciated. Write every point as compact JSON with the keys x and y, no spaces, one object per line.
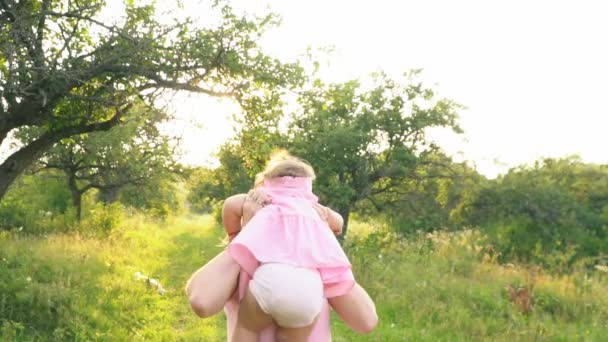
{"x":282,"y":164}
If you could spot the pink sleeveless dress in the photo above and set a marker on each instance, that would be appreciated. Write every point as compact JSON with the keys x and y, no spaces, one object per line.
{"x":290,"y":231}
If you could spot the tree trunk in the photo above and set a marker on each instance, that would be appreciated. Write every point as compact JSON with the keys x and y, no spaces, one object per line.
{"x":345,"y":212}
{"x":77,"y":202}
{"x":17,"y":162}
{"x":14,"y":165}
{"x":76,"y":196}
{"x":108,"y":195}
{"x":4,"y":129}
{"x":28,"y":112}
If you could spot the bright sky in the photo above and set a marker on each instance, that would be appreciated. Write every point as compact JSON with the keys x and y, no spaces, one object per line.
{"x":532,"y":74}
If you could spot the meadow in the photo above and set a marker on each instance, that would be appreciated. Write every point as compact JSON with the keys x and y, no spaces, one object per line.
{"x":429,"y":287}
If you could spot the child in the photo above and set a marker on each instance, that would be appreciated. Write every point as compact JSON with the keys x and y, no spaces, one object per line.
{"x":292,"y":256}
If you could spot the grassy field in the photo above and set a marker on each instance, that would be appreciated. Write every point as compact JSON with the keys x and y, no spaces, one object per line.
{"x":440,"y":287}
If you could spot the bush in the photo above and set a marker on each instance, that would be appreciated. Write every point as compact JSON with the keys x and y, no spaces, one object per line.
{"x":102,"y":219}
{"x":34,"y":201}
{"x":160,"y":198}
{"x":14,"y":214}
{"x":535,"y":214}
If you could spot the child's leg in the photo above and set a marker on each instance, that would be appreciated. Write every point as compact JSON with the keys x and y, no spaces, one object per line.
{"x":295,"y":334}
{"x":356,"y":309}
{"x":251,"y":320}
{"x":211,"y":286}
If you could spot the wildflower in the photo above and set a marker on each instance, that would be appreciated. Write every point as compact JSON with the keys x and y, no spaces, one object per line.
{"x":602,"y":268}
{"x":29,"y":279}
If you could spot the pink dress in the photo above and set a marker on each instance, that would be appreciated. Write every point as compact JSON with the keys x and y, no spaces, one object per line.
{"x":290,"y":231}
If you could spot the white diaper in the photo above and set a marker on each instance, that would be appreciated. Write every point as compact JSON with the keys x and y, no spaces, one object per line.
{"x":292,"y":295}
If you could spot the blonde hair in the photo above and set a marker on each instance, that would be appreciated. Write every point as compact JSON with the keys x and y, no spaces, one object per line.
{"x":282,"y":164}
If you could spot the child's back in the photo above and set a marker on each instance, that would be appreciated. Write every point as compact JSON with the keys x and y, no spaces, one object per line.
{"x":290,"y":231}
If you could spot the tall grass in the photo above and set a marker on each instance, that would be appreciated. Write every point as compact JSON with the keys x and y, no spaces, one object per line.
{"x":69,"y":287}
{"x":448,"y":287}
{"x":436,"y":287}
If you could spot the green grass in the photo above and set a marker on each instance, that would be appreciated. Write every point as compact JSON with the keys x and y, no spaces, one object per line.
{"x":430,"y":288}
{"x":439,"y":288}
{"x":67,"y":287}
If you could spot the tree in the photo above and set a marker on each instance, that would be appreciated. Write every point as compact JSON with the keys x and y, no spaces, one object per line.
{"x":553,"y":212}
{"x":209,"y":186}
{"x":425,"y":200}
{"x":245,"y":155}
{"x":365,"y":143}
{"x":66,"y":72}
{"x":133,"y":153}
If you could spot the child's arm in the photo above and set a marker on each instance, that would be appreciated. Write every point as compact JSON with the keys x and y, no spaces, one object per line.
{"x":334,"y":220}
{"x":232,"y":212}
{"x":238,"y":210}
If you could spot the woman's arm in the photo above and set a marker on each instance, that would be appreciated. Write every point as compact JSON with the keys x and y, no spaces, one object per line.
{"x":356,"y":309}
{"x":210,"y":287}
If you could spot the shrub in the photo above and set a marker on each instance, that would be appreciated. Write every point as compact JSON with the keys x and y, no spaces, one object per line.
{"x":102,"y":219}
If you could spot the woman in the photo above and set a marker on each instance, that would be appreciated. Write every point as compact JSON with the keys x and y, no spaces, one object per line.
{"x":289,"y":176}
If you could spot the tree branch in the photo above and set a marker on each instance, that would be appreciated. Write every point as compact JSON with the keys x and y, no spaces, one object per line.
{"x":16,"y":163}
{"x":39,"y":59}
{"x":159,"y":83}
{"x":75,"y":15}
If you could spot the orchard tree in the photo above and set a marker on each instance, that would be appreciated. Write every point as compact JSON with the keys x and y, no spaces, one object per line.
{"x":427,"y":199}
{"x":134,"y":153}
{"x":364,"y":143}
{"x":66,"y":72}
{"x":208,"y":186}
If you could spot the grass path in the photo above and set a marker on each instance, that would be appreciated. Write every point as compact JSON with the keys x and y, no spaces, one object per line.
{"x":67,"y":287}
{"x":171,"y":255}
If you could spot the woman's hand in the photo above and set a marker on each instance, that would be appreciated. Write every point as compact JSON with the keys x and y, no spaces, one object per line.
{"x":258,"y":196}
{"x":254,"y":201}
